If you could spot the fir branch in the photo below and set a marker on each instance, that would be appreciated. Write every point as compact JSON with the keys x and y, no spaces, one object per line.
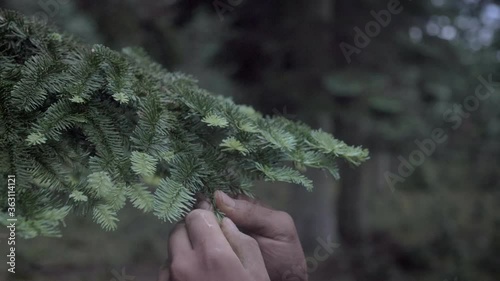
{"x":232,"y":144}
{"x":143,"y":164}
{"x":172,"y":200}
{"x":141,"y":198}
{"x":85,"y":128}
{"x":105,"y":216}
{"x":285,"y":174}
{"x":215,"y":120}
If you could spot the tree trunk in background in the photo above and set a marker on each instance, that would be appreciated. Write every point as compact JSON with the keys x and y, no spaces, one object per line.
{"x":317,"y":219}
{"x":312,"y":57}
{"x":358,"y":187}
{"x":349,"y":209}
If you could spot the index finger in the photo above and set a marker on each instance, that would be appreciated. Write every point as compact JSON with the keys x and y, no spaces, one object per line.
{"x":257,"y":219}
{"x":179,"y":243}
{"x":205,"y":233}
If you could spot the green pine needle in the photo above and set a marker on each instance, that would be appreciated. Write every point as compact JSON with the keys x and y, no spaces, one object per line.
{"x":36,"y":138}
{"x":214,"y":120}
{"x":78,"y":196}
{"x":85,"y":126}
{"x":143,"y":164}
{"x":232,"y":144}
{"x":172,"y":200}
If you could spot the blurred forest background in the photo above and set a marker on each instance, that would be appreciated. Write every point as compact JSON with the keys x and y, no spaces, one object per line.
{"x":419,"y":210}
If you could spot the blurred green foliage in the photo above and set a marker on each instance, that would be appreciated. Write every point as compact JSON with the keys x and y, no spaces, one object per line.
{"x":441,"y":223}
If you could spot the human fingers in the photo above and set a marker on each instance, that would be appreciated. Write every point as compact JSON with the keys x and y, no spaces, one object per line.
{"x":205,"y":233}
{"x":257,"y":219}
{"x":246,"y":248}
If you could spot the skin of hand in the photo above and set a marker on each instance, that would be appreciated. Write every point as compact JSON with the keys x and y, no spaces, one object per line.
{"x":273,"y":230}
{"x":201,"y":249}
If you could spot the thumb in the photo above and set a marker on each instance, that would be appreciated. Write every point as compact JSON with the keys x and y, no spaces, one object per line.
{"x":257,"y":219}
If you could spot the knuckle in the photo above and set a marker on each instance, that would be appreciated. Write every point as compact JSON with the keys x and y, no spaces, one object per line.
{"x":247,"y":208}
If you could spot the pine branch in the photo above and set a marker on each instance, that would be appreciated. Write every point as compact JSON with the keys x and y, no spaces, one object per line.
{"x":172,"y":200}
{"x":85,"y":128}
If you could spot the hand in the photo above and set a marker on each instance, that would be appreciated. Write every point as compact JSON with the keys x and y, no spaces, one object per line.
{"x":275,"y":233}
{"x":200,"y":249}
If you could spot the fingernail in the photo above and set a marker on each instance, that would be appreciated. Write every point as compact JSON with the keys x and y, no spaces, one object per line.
{"x":226,"y":200}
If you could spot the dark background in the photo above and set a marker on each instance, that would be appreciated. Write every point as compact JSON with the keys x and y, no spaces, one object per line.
{"x":415,"y":78}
